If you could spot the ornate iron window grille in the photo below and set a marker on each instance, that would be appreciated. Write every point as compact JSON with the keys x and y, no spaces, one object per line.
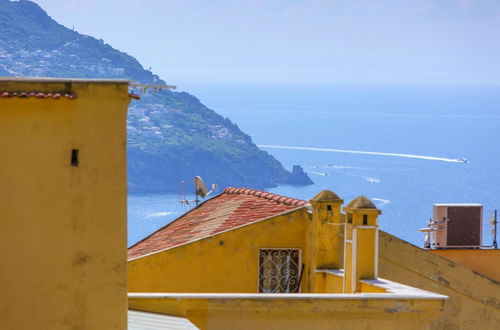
{"x":279,"y":270}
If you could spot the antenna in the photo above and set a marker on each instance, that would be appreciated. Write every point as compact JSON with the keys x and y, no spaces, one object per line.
{"x":145,"y":87}
{"x":182,"y":194}
{"x":494,"y":222}
{"x":200,"y":189}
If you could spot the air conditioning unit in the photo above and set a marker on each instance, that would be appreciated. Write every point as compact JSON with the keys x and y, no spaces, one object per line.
{"x":457,"y":225}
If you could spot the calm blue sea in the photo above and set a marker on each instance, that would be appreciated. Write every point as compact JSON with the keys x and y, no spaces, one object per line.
{"x":444,"y":122}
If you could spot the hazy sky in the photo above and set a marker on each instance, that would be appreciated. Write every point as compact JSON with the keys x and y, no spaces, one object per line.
{"x":347,"y":41}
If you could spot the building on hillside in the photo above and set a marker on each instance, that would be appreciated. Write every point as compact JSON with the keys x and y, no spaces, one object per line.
{"x":63,"y":204}
{"x":261,"y":260}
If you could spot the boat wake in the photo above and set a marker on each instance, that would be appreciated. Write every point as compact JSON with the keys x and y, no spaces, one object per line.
{"x":381,"y":201}
{"x":373,"y":180}
{"x":158,"y":214}
{"x":319,"y":173}
{"x":390,"y":154}
{"x":342,"y":167}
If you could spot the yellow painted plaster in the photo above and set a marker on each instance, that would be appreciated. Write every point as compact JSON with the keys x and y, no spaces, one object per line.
{"x":327,"y":281}
{"x":484,"y":261}
{"x":63,"y":228}
{"x":226,"y":262}
{"x":474,"y":301}
{"x":361,"y":232}
{"x":325,"y":239}
{"x":293,"y":311}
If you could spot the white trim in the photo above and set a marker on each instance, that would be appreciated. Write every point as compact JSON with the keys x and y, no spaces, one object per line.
{"x":455,"y":247}
{"x":375,"y":272}
{"x":346,"y":241}
{"x":64,"y":80}
{"x":333,"y":271}
{"x":140,"y":320}
{"x":366,"y":227}
{"x":354,"y":251}
{"x":459,"y":204}
{"x":416,"y":294}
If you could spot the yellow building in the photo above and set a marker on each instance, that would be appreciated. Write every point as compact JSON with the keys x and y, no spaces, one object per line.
{"x":474,"y":298}
{"x":245,"y":259}
{"x":264,"y":261}
{"x":63,"y":204}
{"x":484,"y":261}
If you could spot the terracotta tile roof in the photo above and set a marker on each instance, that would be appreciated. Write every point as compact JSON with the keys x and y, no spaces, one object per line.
{"x":38,"y":95}
{"x":54,"y":95}
{"x":233,"y":208}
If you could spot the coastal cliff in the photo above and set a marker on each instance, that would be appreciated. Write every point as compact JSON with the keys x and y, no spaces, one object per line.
{"x":172,"y":136}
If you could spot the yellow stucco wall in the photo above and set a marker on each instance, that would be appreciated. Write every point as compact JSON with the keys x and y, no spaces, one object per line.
{"x":295,"y":311}
{"x":226,"y":262}
{"x":324,"y":241}
{"x":328,"y":283}
{"x":62,"y":227}
{"x":474,"y":300}
{"x":208,"y":266}
{"x":484,"y":261}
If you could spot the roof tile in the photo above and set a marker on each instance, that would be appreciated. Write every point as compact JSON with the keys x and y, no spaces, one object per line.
{"x":38,"y":95}
{"x":233,"y":208}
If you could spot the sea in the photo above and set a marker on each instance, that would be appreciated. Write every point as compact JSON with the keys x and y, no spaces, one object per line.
{"x":406,"y":147}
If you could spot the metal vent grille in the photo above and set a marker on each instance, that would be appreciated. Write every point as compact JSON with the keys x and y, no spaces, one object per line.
{"x":464,"y":226}
{"x":279,"y":270}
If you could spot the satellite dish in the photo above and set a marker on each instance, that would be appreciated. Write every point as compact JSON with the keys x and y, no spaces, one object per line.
{"x":201,"y":188}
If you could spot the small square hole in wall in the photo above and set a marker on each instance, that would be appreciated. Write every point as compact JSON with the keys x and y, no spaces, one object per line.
{"x":74,"y":157}
{"x":365,"y":219}
{"x":329,"y":208}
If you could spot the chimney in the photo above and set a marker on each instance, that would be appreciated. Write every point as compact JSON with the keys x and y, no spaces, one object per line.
{"x":325,"y":233}
{"x":361,"y":243}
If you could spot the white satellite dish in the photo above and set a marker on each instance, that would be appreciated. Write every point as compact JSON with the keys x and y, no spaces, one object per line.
{"x":200,"y":187}
{"x":200,"y":190}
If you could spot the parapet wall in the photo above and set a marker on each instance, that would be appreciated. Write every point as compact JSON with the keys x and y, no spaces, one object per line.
{"x":474,"y":299}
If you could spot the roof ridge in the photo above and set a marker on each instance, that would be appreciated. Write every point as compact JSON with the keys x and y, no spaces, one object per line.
{"x":38,"y":95}
{"x":266,"y":195}
{"x":228,"y":210}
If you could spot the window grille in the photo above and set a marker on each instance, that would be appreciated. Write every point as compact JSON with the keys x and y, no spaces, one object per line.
{"x":279,"y":270}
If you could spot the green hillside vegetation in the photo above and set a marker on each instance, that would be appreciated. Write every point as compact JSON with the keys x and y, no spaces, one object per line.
{"x":171,"y":136}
